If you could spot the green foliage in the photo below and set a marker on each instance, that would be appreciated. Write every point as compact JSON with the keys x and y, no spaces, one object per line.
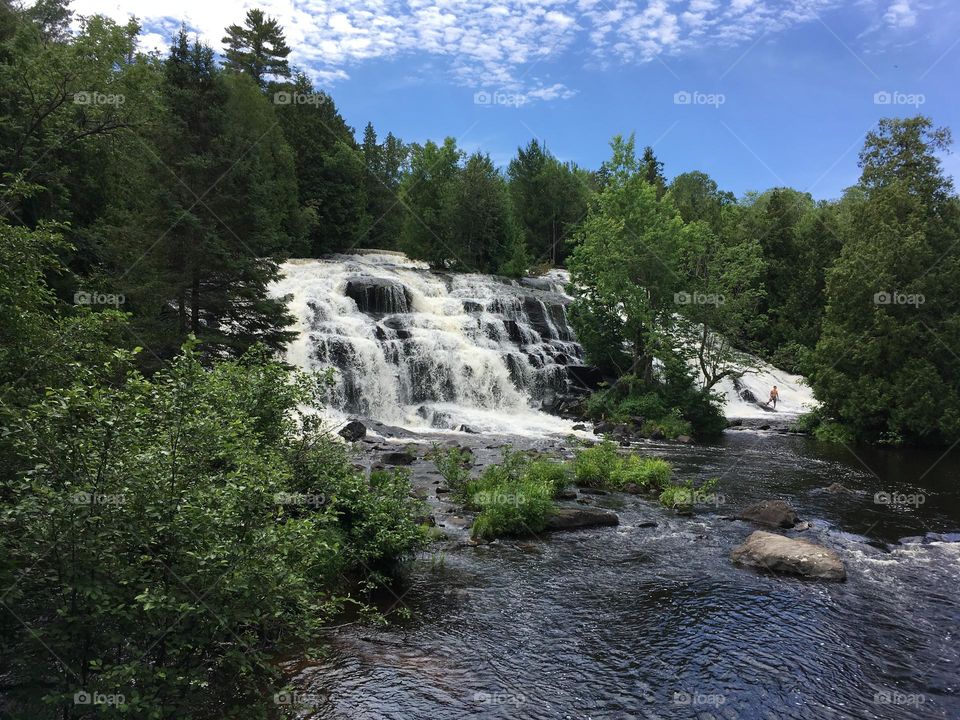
{"x":550,"y":199}
{"x":603,"y":466}
{"x":647,"y":473}
{"x":594,"y":466}
{"x":454,"y":465}
{"x":514,"y":498}
{"x":257,"y":48}
{"x":684,"y":495}
{"x":881,"y":366}
{"x":144,"y":508}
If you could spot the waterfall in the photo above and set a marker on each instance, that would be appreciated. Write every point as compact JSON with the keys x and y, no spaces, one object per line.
{"x":424,"y":349}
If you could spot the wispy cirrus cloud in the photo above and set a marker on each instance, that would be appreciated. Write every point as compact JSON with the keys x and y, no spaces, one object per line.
{"x":503,"y":44}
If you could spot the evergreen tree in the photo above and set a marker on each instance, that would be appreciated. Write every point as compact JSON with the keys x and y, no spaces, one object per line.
{"x":429,"y":196}
{"x":257,"y":48}
{"x":885,"y":364}
{"x":329,"y":168}
{"x":484,"y":230}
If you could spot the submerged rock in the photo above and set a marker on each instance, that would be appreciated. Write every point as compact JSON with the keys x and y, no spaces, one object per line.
{"x":353,"y":431}
{"x":780,"y":554}
{"x":838,"y":489}
{"x":397,"y":458}
{"x":574,"y":518}
{"x":772,"y":513}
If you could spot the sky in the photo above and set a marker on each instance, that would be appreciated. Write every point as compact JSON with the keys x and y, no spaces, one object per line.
{"x":756,"y":93}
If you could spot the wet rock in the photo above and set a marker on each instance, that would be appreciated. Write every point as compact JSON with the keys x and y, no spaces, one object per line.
{"x":455,"y":521}
{"x":632,"y":489}
{"x":378,"y":295}
{"x":579,"y":426}
{"x":647,"y":524}
{"x":736,"y":422}
{"x":567,"y":494}
{"x":602,"y":428}
{"x":684,"y":439}
{"x":763,"y":427}
{"x":592,"y":490}
{"x":397,"y":458}
{"x":585,"y":500}
{"x":353,"y":431}
{"x":657,"y":435}
{"x":572,"y":518}
{"x":442,"y":490}
{"x":467,"y":429}
{"x":772,"y":513}
{"x":780,"y":554}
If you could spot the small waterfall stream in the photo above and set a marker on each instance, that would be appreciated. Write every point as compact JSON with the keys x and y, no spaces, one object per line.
{"x":424,"y":349}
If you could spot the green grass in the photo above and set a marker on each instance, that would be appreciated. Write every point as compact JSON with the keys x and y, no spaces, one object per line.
{"x":602,"y":466}
{"x":513,"y":498}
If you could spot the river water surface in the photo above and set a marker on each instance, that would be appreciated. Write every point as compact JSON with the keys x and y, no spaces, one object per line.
{"x":644,"y":621}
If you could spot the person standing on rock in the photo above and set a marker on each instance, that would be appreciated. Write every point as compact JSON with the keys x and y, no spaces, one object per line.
{"x":774,"y":396}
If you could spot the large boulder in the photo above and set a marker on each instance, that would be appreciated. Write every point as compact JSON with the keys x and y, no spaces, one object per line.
{"x":575,"y":518}
{"x":378,"y":295}
{"x":780,"y":554}
{"x":397,"y":458}
{"x":772,"y":513}
{"x":353,"y":431}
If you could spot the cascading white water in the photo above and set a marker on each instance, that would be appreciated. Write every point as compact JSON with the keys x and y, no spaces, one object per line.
{"x":429,"y":350}
{"x":421,"y":349}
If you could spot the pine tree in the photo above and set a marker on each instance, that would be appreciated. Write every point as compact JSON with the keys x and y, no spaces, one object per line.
{"x":258,"y":48}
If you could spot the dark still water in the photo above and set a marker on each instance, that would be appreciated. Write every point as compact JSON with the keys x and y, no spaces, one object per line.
{"x":655,"y":622}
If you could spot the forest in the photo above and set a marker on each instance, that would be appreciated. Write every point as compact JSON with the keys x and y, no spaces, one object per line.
{"x":148,"y":200}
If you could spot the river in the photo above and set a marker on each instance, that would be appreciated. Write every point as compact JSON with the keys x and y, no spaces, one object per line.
{"x":656,"y":622}
{"x":646,"y":620}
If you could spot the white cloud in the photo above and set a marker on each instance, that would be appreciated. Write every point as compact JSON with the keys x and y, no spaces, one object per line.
{"x":484,"y":43}
{"x":900,"y":14}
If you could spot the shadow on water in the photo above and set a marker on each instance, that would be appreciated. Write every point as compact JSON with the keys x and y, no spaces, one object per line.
{"x":655,"y":622}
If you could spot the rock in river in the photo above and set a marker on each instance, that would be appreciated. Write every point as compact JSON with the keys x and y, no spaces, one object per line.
{"x":772,"y":513}
{"x":397,"y":458}
{"x":781,"y":554}
{"x":574,"y":518}
{"x":353,"y":431}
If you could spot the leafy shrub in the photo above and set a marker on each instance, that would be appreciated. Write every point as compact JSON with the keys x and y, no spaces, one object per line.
{"x":594,"y":466}
{"x":651,"y":473}
{"x":453,"y":464}
{"x":684,"y":494}
{"x":515,"y":509}
{"x":514,"y":497}
{"x":178,"y":532}
{"x":553,"y":474}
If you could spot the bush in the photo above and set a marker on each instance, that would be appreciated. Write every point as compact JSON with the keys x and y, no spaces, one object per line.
{"x":454,"y":465}
{"x":514,"y":497}
{"x":179,"y":531}
{"x":648,"y":473}
{"x":684,"y":495}
{"x":603,"y":466}
{"x":594,"y":466}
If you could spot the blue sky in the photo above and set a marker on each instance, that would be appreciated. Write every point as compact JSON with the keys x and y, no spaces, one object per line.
{"x":757,"y":93}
